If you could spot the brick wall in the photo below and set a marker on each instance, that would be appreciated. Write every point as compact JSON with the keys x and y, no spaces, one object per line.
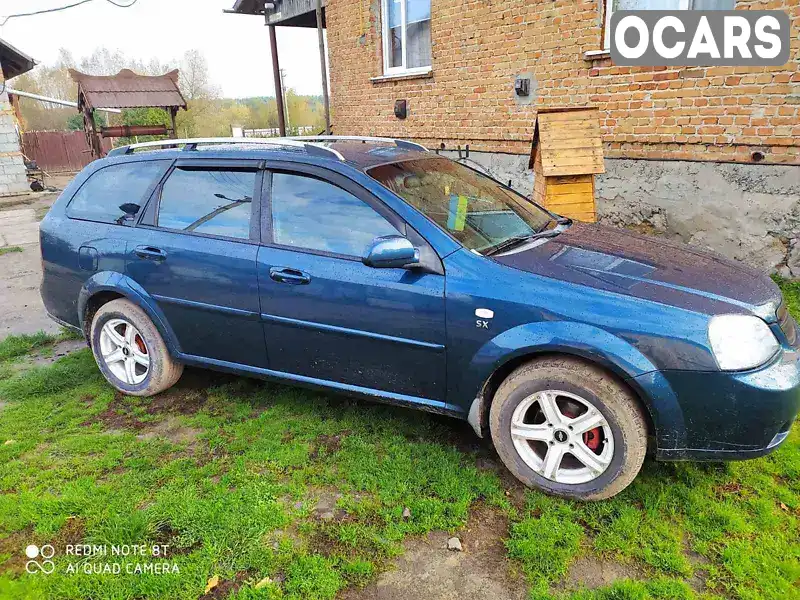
{"x":479,"y":46}
{"x":12,"y":168}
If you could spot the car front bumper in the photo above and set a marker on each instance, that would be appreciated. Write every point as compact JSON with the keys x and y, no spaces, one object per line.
{"x":727,"y":416}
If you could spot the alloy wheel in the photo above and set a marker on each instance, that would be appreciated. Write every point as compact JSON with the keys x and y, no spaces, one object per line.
{"x":124,"y":351}
{"x":562,"y":436}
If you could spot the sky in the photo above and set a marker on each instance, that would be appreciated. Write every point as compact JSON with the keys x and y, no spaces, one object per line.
{"x":236,"y":46}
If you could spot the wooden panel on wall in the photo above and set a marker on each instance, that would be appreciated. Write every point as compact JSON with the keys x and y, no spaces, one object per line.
{"x":566,"y":154}
{"x":568,"y":141}
{"x":571,"y":196}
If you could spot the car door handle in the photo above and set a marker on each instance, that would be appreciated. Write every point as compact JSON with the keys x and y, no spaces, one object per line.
{"x":150,"y":253}
{"x":291,"y":276}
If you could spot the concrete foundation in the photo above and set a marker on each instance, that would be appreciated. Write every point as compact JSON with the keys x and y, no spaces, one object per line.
{"x":747,"y":212}
{"x":12,"y":169}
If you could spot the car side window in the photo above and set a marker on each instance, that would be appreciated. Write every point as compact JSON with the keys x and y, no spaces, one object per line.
{"x":211,"y":201}
{"x":311,"y":213}
{"x":116,"y":193}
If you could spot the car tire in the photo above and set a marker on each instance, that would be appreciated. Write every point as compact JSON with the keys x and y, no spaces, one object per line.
{"x":130,"y":351}
{"x":539,"y":410}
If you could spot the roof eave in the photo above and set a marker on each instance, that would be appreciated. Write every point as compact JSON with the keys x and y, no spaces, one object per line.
{"x":14,"y":61}
{"x":248,"y":7}
{"x":126,"y":89}
{"x":286,"y":13}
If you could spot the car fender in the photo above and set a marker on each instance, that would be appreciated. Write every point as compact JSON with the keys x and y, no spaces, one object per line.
{"x":584,"y":341}
{"x":110,"y":281}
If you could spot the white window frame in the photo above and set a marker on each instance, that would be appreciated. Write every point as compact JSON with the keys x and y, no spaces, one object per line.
{"x":684,"y":5}
{"x":387,"y":47}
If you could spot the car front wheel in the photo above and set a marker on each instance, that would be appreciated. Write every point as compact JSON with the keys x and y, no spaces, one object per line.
{"x":130,"y":351}
{"x":568,"y":428}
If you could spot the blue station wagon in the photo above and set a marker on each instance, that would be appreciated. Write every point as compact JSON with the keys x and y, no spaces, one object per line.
{"x":376,"y":268}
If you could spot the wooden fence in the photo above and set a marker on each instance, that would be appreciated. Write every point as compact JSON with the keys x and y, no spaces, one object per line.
{"x":58,"y":151}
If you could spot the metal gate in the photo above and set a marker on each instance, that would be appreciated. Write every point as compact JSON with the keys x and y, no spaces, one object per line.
{"x":58,"y":151}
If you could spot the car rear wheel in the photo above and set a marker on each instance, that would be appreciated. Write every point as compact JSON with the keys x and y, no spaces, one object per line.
{"x":569,"y":429}
{"x":130,"y":351}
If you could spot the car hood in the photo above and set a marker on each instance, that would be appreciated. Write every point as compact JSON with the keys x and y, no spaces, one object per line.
{"x":650,"y":268}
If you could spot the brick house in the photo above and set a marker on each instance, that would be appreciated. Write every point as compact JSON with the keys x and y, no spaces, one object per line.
{"x":12,"y":168}
{"x":709,"y":155}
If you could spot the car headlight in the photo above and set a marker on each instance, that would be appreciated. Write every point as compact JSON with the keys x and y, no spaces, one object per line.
{"x":741,"y":342}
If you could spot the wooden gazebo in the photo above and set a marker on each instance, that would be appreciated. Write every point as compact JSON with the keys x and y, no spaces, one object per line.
{"x":126,"y":89}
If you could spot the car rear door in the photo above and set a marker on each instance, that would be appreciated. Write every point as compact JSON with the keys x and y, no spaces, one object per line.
{"x":327,"y":316}
{"x":196,"y":256}
{"x":92,"y":232}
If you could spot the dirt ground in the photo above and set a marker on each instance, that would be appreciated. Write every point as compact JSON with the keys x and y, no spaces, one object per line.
{"x":429,"y":570}
{"x":21,"y":272}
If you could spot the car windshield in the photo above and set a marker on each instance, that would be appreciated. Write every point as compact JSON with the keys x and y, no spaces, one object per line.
{"x":476,"y":210}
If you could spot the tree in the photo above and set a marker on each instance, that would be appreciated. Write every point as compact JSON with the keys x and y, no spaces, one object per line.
{"x":305,"y":111}
{"x":103,"y":61}
{"x":45,"y":81}
{"x":201,"y":95}
{"x":195,"y":82}
{"x":75,"y":122}
{"x":208,"y":115}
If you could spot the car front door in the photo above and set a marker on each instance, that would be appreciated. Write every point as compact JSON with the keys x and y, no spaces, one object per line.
{"x":327,"y":316}
{"x":196,"y":256}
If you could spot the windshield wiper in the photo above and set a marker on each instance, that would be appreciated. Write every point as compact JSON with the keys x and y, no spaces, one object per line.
{"x":507,"y":244}
{"x":558,"y":220}
{"x":520,"y":239}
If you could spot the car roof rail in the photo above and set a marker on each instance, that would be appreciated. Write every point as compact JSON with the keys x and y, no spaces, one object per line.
{"x":359,"y":138}
{"x":191,"y":144}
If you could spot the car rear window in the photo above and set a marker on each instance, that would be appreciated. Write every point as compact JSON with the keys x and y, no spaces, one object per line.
{"x":102,"y":197}
{"x":210,"y":201}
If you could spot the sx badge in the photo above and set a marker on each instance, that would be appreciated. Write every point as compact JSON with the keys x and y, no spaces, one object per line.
{"x":45,"y":553}
{"x":485,"y":315}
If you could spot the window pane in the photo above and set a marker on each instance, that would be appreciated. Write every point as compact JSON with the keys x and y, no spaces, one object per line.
{"x":101,"y":197}
{"x":395,"y":42}
{"x":314,"y":214}
{"x":419,"y":44}
{"x":216,"y":202}
{"x":418,"y":10}
{"x":395,"y":14}
{"x":395,"y":47}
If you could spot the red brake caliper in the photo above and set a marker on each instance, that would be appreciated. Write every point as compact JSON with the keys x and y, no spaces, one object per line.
{"x":140,"y":345}
{"x":591,"y":438}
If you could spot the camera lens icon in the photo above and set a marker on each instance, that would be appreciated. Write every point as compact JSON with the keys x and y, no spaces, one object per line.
{"x":46,"y":565}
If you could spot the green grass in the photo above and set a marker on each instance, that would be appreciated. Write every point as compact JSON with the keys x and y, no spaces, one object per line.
{"x":9,"y":250}
{"x":19,"y":345}
{"x":233,"y":478}
{"x":791,"y":293}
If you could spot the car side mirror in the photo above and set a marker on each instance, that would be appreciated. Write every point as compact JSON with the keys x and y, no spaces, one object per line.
{"x":130,"y":209}
{"x":391,"y":252}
